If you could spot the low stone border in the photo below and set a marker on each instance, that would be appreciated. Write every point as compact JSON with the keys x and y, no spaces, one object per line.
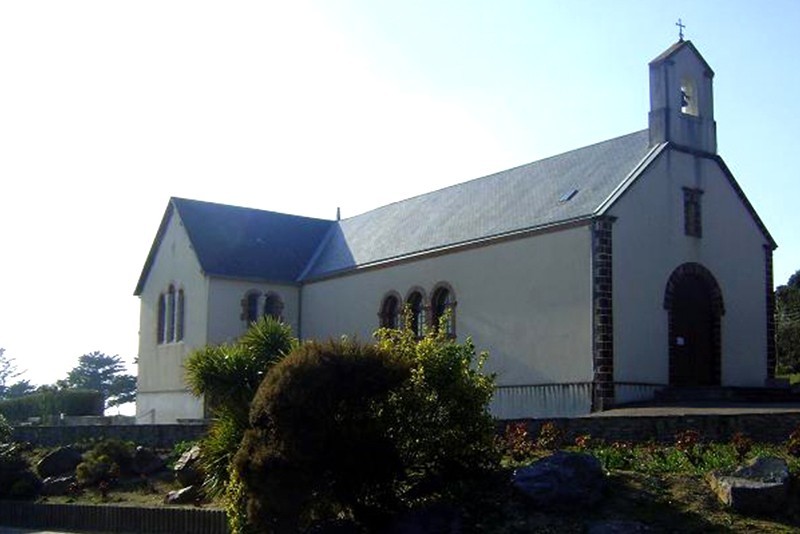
{"x":106,"y":518}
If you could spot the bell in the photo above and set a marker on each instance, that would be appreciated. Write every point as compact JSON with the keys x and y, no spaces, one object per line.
{"x":684,"y":99}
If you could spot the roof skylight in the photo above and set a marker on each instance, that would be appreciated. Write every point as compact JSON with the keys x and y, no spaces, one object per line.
{"x":568,"y":195}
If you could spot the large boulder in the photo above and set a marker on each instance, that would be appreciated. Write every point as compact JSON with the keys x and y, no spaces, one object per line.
{"x":760,"y":487}
{"x":187,"y":468}
{"x":188,"y":495}
{"x":60,"y":462}
{"x":58,"y":485}
{"x":146,"y":462}
{"x":562,"y":481}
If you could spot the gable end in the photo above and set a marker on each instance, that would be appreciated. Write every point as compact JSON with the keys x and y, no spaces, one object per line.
{"x":151,"y":256}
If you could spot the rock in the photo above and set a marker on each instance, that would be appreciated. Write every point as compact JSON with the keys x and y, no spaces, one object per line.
{"x":57,"y":485}
{"x":146,"y":462}
{"x":617,"y":527}
{"x":62,"y":461}
{"x":760,"y":487}
{"x":188,"y":495}
{"x":438,"y":519}
{"x":187,"y":468}
{"x":562,"y":481}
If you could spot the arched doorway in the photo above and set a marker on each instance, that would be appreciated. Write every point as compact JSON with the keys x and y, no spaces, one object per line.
{"x":694,"y":304}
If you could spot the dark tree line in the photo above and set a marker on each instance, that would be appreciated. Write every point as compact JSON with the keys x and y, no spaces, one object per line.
{"x":787,"y":325}
{"x":95,"y":371}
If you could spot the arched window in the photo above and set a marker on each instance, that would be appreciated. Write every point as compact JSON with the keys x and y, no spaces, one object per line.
{"x":443,"y":305}
{"x":250,"y":304}
{"x":179,"y":313}
{"x":170,"y":313}
{"x":170,"y":321}
{"x":389,"y":316}
{"x":162,"y":318}
{"x":689,"y":97}
{"x":273,"y":306}
{"x":416,"y":309}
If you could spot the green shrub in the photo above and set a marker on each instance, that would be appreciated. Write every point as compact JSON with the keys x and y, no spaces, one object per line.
{"x":342,"y":429}
{"x":317,"y":447}
{"x":17,"y":479}
{"x":105,"y":462}
{"x":516,"y":443}
{"x":439,"y":418}
{"x":551,"y":437}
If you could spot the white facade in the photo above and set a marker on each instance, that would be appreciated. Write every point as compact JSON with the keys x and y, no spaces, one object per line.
{"x":161,"y":390}
{"x":525,"y":300}
{"x":650,"y":219}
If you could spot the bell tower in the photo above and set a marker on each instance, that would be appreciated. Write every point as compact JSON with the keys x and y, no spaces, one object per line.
{"x":682,"y":99}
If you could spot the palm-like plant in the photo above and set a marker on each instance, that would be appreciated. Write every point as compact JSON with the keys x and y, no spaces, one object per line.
{"x":228,"y":376}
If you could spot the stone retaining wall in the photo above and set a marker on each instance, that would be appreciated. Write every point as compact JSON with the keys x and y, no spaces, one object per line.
{"x":156,"y":436}
{"x":762,"y":427}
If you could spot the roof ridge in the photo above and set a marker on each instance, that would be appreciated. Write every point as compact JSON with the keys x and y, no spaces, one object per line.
{"x":247,"y":208}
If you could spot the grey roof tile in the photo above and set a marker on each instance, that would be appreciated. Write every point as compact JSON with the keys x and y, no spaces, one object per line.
{"x":518,"y":199}
{"x":249,"y":243}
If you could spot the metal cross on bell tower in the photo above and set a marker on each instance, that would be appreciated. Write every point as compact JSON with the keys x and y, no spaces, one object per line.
{"x":680,"y":26}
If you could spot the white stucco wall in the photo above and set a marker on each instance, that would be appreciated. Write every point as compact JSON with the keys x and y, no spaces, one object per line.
{"x":527,"y":301}
{"x":161,"y":392}
{"x":649,"y":243}
{"x":225,"y":323}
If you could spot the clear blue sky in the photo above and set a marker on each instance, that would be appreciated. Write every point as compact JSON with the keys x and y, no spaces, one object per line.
{"x":109,"y":108}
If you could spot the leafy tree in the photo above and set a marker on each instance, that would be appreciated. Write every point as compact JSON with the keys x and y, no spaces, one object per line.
{"x":19,"y":389}
{"x":105,"y":374}
{"x":787,"y":325}
{"x":8,"y":372}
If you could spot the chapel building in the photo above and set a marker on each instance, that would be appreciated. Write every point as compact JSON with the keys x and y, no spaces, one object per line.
{"x":593,"y":278}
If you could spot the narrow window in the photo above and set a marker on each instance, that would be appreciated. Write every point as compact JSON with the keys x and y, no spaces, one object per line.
{"x":251,"y":307}
{"x":162,"y":318}
{"x":417,"y":311}
{"x":273,"y":307}
{"x":443,"y":309}
{"x":170,"y":314}
{"x":179,"y":316}
{"x":389,"y":316}
{"x":692,"y":212}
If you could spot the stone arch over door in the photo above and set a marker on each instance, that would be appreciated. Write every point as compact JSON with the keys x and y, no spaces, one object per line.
{"x":695,"y":307}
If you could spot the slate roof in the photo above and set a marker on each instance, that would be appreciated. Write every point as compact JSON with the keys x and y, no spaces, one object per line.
{"x":519,"y":199}
{"x":237,"y":242}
